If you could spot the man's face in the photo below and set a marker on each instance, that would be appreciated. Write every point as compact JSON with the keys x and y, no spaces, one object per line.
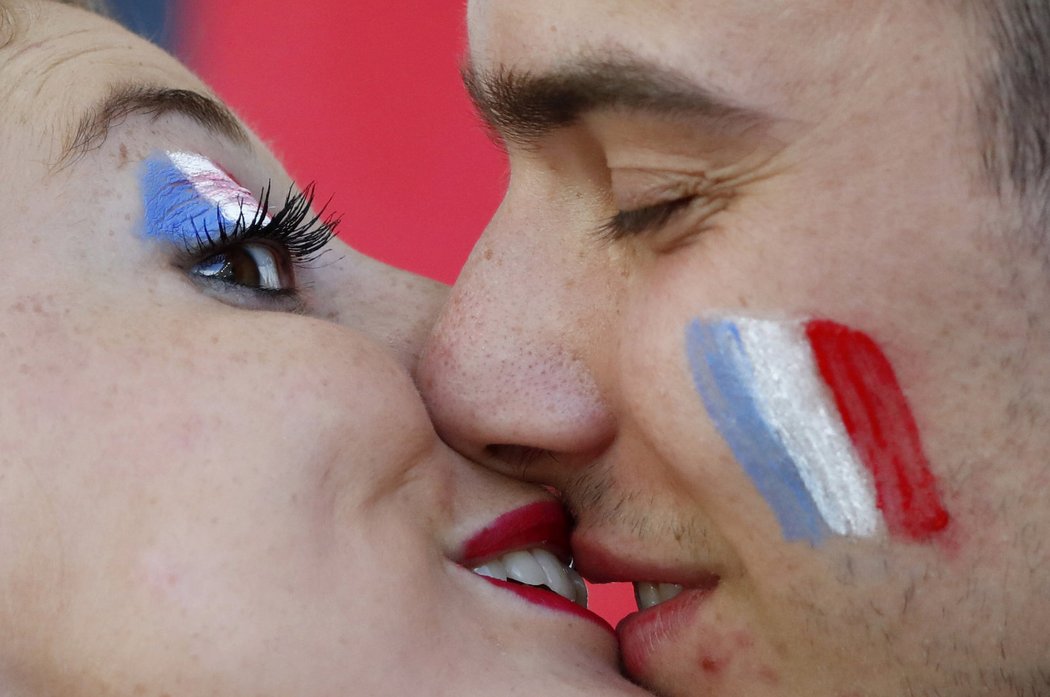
{"x":750,"y":306}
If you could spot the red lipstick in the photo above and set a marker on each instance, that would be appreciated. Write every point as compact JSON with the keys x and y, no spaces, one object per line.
{"x":542,"y":525}
{"x":551,"y":600}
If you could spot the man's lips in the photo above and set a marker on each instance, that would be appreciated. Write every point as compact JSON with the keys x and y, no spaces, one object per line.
{"x":647,"y":633}
{"x":599,"y":563}
{"x":668,"y":594}
{"x":526,"y":551}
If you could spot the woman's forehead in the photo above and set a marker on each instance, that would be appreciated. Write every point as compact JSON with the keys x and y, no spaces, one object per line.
{"x":60,"y":61}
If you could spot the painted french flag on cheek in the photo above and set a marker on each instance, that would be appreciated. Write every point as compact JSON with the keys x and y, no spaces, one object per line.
{"x":813,"y":412}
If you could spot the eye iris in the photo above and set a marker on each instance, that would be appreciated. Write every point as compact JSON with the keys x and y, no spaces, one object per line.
{"x":247,"y":265}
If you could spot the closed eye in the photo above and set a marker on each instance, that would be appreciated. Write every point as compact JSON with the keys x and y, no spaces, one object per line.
{"x":642,"y":220}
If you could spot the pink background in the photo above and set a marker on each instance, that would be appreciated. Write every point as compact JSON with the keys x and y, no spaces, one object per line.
{"x":366,"y":100}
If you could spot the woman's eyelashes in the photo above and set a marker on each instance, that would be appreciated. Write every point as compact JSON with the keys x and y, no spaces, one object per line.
{"x":227,"y":240}
{"x":261,"y":254}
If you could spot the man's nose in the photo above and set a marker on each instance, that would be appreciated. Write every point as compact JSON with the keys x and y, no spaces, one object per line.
{"x":509,"y":370}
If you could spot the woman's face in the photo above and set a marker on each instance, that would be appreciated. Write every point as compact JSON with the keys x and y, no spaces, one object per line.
{"x":215,"y":479}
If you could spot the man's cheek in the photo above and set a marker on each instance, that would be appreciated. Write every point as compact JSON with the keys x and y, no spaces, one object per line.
{"x":814,"y":414}
{"x":719,"y":654}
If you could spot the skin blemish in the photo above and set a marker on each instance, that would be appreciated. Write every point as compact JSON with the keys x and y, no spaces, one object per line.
{"x":813,"y":412}
{"x":711,"y":666}
{"x":715,"y":662}
{"x":768,"y":676}
{"x":727,"y":657}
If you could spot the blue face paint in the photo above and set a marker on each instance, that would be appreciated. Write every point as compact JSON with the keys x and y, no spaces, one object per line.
{"x":724,"y":376}
{"x":813,"y":412}
{"x":188,"y":198}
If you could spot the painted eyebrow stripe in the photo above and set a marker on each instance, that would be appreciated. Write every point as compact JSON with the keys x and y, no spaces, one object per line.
{"x":881,"y":425}
{"x":186,"y":195}
{"x":795,"y":402}
{"x":723,"y":375}
{"x":215,"y":186}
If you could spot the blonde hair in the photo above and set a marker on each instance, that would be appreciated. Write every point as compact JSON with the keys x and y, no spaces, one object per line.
{"x":99,"y":6}
{"x":9,"y":27}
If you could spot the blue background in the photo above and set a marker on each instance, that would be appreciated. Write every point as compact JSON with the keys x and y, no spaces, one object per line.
{"x":153,"y":19}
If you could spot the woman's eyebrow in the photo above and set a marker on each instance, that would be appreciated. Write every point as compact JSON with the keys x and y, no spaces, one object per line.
{"x":94,"y":125}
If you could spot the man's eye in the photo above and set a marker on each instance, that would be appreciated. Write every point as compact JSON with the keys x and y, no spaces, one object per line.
{"x":250,"y":265}
{"x":642,"y":220}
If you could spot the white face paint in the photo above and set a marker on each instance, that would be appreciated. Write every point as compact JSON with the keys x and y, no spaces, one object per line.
{"x":189,"y":197}
{"x":763,"y":378}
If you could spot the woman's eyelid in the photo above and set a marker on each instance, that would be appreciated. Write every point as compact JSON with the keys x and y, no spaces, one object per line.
{"x":218,"y":232}
{"x":294,"y":229}
{"x":189,"y":199}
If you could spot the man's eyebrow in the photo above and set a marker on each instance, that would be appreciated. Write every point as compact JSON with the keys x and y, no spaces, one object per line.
{"x":523,"y":106}
{"x":122,"y":101}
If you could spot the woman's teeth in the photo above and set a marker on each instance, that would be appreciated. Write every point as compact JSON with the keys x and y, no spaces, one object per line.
{"x":537,"y":567}
{"x":651,"y":594}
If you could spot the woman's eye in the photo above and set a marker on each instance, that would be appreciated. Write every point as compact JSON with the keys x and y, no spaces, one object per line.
{"x":252,"y":265}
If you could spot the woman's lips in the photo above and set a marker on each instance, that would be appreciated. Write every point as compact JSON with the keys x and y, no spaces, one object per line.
{"x":526,"y":551}
{"x":542,"y":524}
{"x":545,"y":598}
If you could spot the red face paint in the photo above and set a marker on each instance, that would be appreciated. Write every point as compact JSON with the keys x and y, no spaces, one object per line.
{"x":880,"y":424}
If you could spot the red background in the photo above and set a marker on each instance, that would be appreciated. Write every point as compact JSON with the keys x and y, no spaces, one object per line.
{"x":366,"y":100}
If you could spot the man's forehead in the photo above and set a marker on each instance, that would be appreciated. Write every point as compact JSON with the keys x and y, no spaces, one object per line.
{"x":759,"y":52}
{"x":714,"y":43}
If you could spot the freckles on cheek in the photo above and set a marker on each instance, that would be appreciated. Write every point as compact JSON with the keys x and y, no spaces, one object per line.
{"x":813,"y":412}
{"x":169,"y":581}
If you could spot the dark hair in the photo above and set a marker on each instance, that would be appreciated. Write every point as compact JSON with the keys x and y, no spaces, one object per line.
{"x":1014,"y":102}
